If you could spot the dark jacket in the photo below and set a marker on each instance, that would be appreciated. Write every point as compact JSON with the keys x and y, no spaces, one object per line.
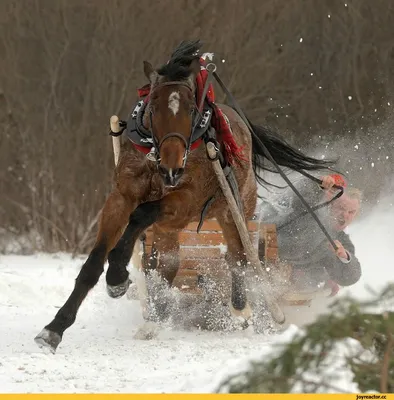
{"x":303,"y":245}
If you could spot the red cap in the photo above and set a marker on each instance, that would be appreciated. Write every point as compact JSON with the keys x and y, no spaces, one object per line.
{"x":339,"y":180}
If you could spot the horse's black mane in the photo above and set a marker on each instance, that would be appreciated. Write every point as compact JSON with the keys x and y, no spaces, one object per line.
{"x":178,"y":66}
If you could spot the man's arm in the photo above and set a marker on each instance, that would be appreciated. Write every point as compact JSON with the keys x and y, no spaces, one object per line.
{"x":345,"y":272}
{"x":311,"y":191}
{"x":277,"y":209}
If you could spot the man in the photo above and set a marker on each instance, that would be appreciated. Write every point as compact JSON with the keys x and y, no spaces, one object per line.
{"x":303,"y":245}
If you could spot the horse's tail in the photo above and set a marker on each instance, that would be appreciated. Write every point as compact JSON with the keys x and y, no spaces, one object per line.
{"x":263,"y":140}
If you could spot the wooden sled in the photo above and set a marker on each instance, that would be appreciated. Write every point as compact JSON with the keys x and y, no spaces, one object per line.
{"x":202,"y":254}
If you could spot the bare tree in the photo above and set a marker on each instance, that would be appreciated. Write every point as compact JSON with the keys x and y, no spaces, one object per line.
{"x":317,"y":71}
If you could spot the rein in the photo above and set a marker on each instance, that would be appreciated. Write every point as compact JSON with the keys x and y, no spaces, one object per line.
{"x":212,"y":71}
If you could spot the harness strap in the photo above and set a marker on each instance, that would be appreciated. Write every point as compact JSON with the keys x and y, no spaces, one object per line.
{"x":204,"y":92}
{"x":171,"y":135}
{"x":204,"y":211}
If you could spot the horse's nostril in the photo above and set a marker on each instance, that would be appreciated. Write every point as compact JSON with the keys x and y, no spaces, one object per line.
{"x":170,"y":176}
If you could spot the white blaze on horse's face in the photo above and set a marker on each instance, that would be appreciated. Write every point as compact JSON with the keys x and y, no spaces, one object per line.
{"x":173,"y":102}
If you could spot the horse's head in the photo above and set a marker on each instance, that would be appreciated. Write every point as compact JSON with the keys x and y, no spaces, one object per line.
{"x":172,"y":110}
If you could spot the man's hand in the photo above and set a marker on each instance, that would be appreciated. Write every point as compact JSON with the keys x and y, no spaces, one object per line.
{"x":340,"y":252}
{"x":327,"y":182}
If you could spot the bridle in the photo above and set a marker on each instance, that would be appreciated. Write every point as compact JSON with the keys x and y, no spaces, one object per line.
{"x":154,"y":155}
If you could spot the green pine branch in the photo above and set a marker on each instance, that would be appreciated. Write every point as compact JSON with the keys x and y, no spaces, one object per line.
{"x":301,"y":365}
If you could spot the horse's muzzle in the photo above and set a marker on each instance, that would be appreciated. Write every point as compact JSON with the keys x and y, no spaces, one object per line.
{"x":171,"y":176}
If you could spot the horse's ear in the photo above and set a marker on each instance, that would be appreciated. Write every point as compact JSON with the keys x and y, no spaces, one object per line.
{"x":195,"y":67}
{"x":149,"y":71}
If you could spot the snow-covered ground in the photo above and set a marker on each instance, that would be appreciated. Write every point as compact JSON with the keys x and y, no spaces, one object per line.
{"x":98,"y":353}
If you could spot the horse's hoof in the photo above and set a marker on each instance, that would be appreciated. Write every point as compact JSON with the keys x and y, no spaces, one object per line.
{"x":245,"y":314}
{"x":118,"y":291}
{"x":242,"y":317}
{"x":148,"y":331}
{"x":276,"y":312}
{"x":48,"y":340}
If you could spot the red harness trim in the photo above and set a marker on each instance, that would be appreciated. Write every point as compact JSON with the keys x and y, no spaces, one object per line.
{"x":144,"y":91}
{"x":142,"y":149}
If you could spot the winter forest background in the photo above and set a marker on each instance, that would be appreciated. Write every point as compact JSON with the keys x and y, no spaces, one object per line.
{"x":319,"y":72}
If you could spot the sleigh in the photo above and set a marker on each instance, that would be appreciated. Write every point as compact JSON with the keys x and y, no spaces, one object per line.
{"x":202,"y":253}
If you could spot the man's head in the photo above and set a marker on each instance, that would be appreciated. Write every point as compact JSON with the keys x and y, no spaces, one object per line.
{"x":346,"y":208}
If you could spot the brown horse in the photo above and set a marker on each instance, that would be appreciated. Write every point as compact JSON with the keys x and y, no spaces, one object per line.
{"x":171,"y":188}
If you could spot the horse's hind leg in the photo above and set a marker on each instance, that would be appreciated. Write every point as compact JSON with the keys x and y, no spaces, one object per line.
{"x":117,"y":275}
{"x":113,"y":219}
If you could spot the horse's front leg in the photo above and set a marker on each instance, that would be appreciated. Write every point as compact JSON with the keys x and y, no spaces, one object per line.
{"x":165,"y":261}
{"x":237,"y":262}
{"x":119,"y":257}
{"x":166,"y":254}
{"x":113,"y":219}
{"x":176,"y":212}
{"x":170,"y":213}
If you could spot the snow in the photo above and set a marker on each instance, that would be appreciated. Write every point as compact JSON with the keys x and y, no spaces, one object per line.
{"x":98,"y":353}
{"x":373,"y":238}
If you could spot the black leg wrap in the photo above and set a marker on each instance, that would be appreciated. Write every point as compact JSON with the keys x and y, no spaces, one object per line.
{"x":117,"y":276}
{"x":238,"y":291}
